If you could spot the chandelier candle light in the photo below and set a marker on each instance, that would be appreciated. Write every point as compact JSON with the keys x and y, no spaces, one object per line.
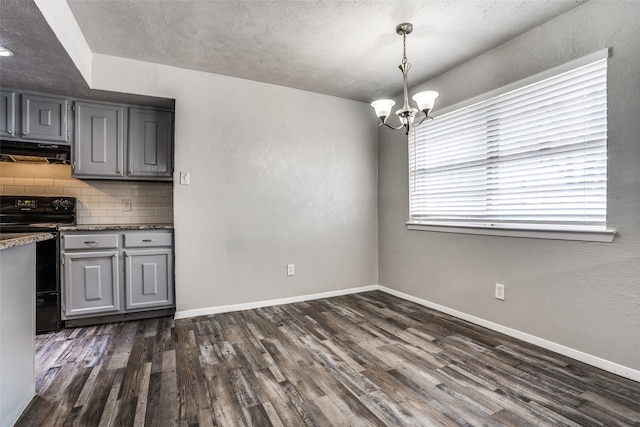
{"x":424,"y":100}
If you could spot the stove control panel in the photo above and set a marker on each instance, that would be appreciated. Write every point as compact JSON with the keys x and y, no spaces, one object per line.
{"x":40,"y":211}
{"x":26,"y":203}
{"x":64,"y":204}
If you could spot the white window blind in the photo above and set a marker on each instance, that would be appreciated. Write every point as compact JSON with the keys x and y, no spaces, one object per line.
{"x":534,"y":157}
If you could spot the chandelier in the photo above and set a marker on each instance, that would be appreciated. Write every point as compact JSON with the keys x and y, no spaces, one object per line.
{"x":424,"y":100}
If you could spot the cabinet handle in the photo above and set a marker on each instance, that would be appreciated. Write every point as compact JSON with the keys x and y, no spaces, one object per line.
{"x":10,"y":132}
{"x":147,"y":240}
{"x":24,"y":134}
{"x":91,"y":242}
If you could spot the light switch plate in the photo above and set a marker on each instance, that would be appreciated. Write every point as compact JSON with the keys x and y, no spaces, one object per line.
{"x":185,"y":178}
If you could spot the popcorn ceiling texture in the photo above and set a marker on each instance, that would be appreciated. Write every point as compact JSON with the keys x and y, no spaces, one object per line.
{"x":99,"y":202}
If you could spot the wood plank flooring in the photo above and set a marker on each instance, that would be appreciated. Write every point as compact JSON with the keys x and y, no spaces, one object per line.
{"x":368,"y":359}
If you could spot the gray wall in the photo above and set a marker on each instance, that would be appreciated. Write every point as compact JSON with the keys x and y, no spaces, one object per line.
{"x":582,"y":295}
{"x":278,"y":176}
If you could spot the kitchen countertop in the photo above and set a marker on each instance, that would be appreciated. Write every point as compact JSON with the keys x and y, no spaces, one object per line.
{"x":10,"y":240}
{"x":108,"y":227}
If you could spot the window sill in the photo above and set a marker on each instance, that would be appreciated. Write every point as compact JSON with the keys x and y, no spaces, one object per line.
{"x":586,"y":235}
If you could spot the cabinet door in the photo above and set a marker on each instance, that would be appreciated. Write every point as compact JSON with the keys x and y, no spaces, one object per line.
{"x":7,"y":114}
{"x":150,"y":143}
{"x":44,"y":118}
{"x":99,"y":140}
{"x":91,"y":283}
{"x":149,"y":278}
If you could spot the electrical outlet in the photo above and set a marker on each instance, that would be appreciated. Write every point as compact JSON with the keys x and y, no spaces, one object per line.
{"x":499,"y":291}
{"x":126,"y":205}
{"x":291,"y":270}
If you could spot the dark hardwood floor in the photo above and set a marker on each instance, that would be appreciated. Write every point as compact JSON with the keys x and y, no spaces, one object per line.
{"x":368,"y":359}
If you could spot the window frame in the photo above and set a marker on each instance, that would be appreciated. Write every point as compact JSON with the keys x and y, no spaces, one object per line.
{"x":541,"y":231}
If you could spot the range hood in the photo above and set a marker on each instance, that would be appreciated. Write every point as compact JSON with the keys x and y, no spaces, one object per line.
{"x":32,"y":152}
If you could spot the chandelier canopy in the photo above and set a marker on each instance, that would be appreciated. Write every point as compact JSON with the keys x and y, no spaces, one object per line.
{"x":424,"y":100}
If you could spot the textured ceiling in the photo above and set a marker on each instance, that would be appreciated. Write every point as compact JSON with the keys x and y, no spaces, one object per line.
{"x":40,"y":63}
{"x":346,"y":48}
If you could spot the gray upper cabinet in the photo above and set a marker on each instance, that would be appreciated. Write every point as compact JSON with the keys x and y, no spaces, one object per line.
{"x":44,"y":118}
{"x":7,"y":114}
{"x":108,"y":140}
{"x":150,"y":143}
{"x":99,"y":140}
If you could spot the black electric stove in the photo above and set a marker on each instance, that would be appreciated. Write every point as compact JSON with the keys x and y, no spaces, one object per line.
{"x":30,"y":214}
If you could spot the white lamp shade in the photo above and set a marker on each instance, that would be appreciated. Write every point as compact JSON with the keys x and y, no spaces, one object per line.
{"x":383,"y":107}
{"x":425,"y":99}
{"x":5,"y":52}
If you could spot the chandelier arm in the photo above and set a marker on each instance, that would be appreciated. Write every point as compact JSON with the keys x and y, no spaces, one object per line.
{"x":407,"y":127}
{"x":389,"y":126}
{"x":422,"y":121}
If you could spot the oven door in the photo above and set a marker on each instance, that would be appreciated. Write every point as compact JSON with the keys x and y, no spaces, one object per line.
{"x":48,"y":285}
{"x":47,"y":312}
{"x":47,"y":262}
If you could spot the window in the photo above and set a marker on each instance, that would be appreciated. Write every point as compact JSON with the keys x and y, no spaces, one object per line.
{"x":532,"y":158}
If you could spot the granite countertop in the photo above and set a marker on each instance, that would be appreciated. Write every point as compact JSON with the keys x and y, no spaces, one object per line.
{"x":107,"y":227}
{"x":10,"y":240}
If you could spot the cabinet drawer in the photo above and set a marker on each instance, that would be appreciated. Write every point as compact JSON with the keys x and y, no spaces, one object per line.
{"x":147,"y":240}
{"x":91,"y":241}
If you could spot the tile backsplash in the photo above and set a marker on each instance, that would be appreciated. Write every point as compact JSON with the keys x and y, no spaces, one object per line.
{"x":99,"y":201}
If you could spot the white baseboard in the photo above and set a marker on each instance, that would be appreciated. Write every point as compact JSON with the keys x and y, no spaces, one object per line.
{"x":183,"y":314}
{"x":606,"y":365}
{"x":615,"y":368}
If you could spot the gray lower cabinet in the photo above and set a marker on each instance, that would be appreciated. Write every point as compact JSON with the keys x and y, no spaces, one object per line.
{"x":148,"y":275}
{"x":116,"y":272}
{"x":150,"y":143}
{"x":7,"y":113}
{"x":99,"y":140}
{"x":93,"y":285}
{"x":44,"y":118}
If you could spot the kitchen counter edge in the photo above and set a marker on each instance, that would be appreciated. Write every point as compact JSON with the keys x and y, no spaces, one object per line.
{"x":11,"y":240}
{"x":112,"y":227}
